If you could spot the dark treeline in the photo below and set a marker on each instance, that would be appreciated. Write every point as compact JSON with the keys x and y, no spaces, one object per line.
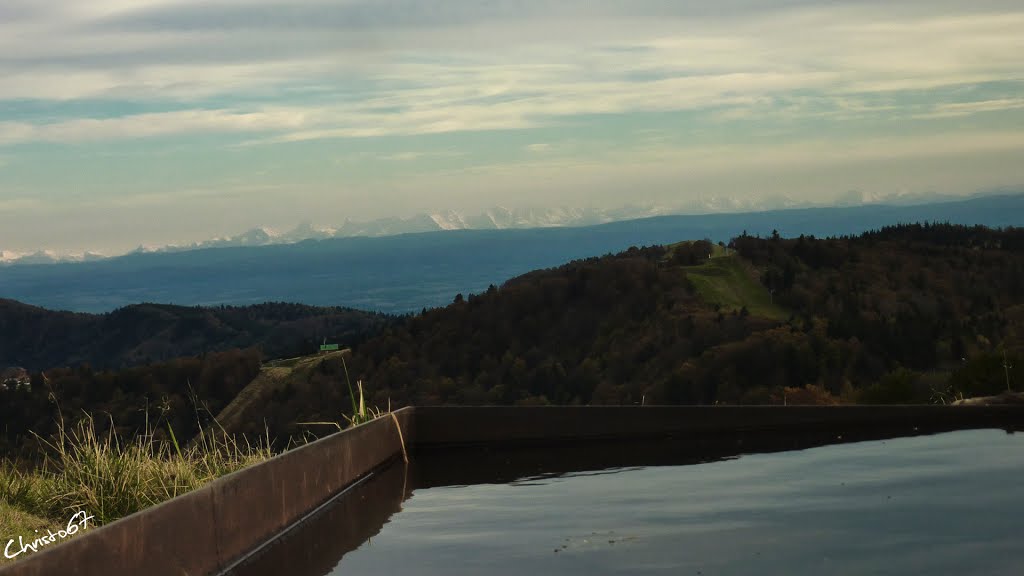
{"x":905,"y":314}
{"x":926,"y":295}
{"x":915,"y":314}
{"x":180,"y":395}
{"x":38,"y":339}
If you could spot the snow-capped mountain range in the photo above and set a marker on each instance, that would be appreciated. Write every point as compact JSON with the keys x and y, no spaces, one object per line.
{"x":497,"y":218}
{"x":47,"y":257}
{"x":493,"y":219}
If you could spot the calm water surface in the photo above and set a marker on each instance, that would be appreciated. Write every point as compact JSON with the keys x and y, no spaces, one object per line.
{"x":946,"y":504}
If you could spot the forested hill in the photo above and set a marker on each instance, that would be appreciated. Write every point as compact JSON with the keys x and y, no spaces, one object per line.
{"x":36,"y":339}
{"x":909,"y":314}
{"x":905,"y":314}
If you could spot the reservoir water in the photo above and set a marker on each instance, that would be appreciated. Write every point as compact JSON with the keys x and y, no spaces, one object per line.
{"x":946,"y":504}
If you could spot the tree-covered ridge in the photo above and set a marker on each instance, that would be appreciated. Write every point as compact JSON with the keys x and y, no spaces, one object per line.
{"x":922,"y":296}
{"x":37,"y":339}
{"x":914,"y":314}
{"x":904,"y":314}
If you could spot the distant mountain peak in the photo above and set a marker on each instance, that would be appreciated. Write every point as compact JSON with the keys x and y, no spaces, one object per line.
{"x":7,"y":256}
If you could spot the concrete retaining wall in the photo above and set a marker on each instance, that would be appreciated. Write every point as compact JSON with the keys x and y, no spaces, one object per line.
{"x":206,"y":530}
{"x":319,"y":543}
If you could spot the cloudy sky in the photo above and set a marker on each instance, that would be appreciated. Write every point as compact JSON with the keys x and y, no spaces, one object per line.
{"x":153,"y":121}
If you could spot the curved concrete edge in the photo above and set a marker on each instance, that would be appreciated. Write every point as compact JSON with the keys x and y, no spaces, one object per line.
{"x":204,"y":531}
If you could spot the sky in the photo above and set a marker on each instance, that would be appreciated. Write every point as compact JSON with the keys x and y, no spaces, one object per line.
{"x":128,"y":122}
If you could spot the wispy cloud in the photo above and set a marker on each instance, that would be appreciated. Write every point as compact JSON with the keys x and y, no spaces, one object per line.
{"x":192,"y":52}
{"x":786,"y":156}
{"x":151,"y":125}
{"x":444,"y":102}
{"x":968,"y":108}
{"x":409,"y":156}
{"x":19,"y":204}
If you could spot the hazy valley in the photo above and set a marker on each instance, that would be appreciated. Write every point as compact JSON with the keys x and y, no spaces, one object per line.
{"x":408,"y":272}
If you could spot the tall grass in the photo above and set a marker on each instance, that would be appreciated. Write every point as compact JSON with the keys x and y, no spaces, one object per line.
{"x":111,"y":478}
{"x":361,"y":414}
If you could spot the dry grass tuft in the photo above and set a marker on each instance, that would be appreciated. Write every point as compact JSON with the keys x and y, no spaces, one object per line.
{"x":110,"y":478}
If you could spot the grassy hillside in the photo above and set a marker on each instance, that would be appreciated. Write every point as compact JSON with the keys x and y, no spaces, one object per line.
{"x":276,"y":383}
{"x":16,"y":522}
{"x":729,"y":282}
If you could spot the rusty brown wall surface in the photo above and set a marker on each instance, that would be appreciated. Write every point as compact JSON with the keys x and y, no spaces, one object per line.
{"x":319,"y":544}
{"x":454,"y":425}
{"x":204,"y":531}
